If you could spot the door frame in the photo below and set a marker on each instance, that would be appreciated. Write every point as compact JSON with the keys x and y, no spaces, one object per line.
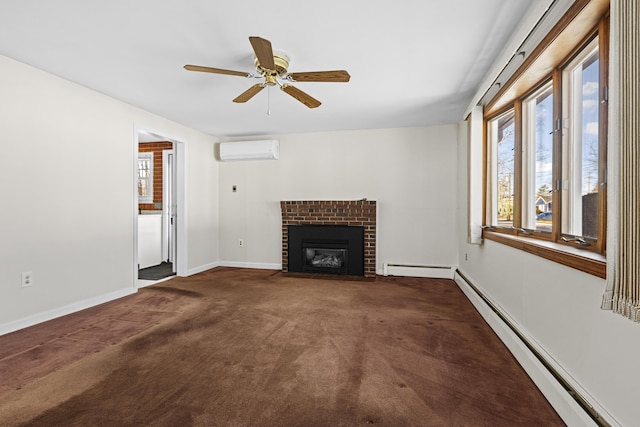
{"x":180,"y":189}
{"x":169,"y":207}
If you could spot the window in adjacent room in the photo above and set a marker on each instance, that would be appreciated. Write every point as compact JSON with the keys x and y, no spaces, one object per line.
{"x":145,"y":178}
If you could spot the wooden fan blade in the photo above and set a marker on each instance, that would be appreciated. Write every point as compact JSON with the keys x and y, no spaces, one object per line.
{"x":264,"y":52}
{"x":216,"y":70}
{"x":249,"y":93}
{"x":301,"y":96}
{"x":321,"y":76}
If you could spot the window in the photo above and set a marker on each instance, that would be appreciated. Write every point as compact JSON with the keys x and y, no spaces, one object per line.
{"x":145,"y":178}
{"x":537,"y":167}
{"x":502,"y":149}
{"x":581,"y":157}
{"x":546,"y":160}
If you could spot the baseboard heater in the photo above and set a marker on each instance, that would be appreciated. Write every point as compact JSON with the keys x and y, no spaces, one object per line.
{"x":410,"y":270}
{"x":588,"y":408}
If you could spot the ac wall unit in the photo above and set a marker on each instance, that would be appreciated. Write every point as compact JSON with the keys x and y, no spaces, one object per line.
{"x":250,"y":150}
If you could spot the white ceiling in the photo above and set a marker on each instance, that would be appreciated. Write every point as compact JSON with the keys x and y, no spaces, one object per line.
{"x":412,"y":62}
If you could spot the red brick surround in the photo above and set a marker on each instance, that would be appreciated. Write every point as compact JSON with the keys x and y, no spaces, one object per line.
{"x":332,"y":212}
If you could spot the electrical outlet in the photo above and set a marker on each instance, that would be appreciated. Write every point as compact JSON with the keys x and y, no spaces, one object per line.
{"x":27,"y":279}
{"x":240,"y":242}
{"x":466,"y":258}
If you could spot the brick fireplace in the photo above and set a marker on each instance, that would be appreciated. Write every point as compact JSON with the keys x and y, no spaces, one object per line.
{"x":353,"y":213}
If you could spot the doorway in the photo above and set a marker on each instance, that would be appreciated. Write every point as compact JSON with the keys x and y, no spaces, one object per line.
{"x":159,"y":192}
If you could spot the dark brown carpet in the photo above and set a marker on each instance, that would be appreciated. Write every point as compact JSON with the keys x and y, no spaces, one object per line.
{"x":234,"y":347}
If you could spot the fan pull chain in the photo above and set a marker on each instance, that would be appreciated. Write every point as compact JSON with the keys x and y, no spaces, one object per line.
{"x":268,"y":100}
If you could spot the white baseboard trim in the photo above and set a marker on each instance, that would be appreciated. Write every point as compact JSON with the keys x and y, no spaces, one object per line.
{"x":431,"y":271}
{"x":34,"y":319}
{"x":565,"y":405}
{"x":202,"y":268}
{"x":257,"y":265}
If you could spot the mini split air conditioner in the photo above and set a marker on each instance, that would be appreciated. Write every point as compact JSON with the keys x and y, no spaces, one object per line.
{"x":250,"y":150}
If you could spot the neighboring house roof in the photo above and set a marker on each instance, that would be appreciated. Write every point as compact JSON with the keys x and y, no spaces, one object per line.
{"x":543,"y":200}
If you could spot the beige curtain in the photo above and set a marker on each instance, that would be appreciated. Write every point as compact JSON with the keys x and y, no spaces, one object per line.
{"x":622,"y":293}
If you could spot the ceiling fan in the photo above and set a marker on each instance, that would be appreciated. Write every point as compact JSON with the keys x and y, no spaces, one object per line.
{"x":272,"y":66}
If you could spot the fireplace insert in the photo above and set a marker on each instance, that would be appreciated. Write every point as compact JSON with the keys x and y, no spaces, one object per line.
{"x":326,"y":249}
{"x":318,"y":257}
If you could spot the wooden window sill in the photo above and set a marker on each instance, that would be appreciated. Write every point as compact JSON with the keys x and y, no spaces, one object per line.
{"x":580,"y":259}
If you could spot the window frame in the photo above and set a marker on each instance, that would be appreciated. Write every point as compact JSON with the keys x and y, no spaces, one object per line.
{"x":550,"y":245}
{"x":492,"y":188}
{"x":599,"y":245}
{"x":527,"y":173}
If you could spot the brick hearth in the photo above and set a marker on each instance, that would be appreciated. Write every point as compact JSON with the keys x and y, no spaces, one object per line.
{"x":332,"y":212}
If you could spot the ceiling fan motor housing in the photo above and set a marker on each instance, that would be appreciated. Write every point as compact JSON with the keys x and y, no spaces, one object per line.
{"x":281,"y":61}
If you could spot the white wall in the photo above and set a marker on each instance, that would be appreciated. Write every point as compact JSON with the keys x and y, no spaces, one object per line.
{"x":67,"y":187}
{"x":559,"y":308}
{"x":410,"y":172}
